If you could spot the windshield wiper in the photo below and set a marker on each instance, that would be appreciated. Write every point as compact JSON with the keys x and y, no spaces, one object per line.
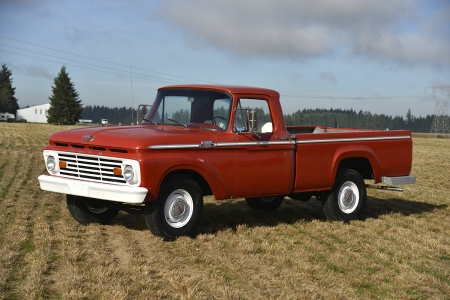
{"x":178,"y":122}
{"x":153,"y":122}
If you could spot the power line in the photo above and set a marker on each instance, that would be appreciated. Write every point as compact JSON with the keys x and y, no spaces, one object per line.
{"x":105,"y":61}
{"x":80,"y":62}
{"x":295,"y":95}
{"x":148,"y":77}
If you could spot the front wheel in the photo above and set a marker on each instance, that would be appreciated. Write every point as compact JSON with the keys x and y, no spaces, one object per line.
{"x":347,"y":198}
{"x":88,"y":210}
{"x":177,"y":210}
{"x":265,"y":203}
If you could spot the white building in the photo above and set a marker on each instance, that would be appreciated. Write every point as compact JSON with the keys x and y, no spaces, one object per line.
{"x":35,"y":114}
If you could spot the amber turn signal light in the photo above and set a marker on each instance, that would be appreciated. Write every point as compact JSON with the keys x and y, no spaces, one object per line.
{"x":62,"y":164}
{"x":117,"y":171}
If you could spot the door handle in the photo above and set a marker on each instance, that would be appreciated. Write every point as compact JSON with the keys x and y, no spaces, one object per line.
{"x":281,"y":137}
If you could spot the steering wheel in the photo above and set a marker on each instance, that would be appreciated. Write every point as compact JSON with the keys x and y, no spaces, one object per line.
{"x":221,"y":124}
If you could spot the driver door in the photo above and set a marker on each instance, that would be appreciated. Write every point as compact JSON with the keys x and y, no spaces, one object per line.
{"x":263,"y":157}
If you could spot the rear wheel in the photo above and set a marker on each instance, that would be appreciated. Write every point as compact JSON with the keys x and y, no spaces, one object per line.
{"x":265,"y":203}
{"x":177,"y":210}
{"x":88,"y":210}
{"x":347,"y":198}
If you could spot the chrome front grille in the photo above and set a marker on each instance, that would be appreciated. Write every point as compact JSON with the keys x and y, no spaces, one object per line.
{"x":91,"y":168}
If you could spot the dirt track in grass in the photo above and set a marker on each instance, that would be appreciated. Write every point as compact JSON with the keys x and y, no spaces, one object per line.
{"x":399,"y":250}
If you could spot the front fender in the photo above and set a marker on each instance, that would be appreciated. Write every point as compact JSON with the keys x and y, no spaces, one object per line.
{"x":165,"y":165}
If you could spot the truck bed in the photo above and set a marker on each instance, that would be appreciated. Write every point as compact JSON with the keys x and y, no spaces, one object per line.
{"x":320,"y":151}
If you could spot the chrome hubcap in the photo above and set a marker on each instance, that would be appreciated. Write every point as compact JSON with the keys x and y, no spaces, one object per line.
{"x":348,"y":197}
{"x":178,"y":208}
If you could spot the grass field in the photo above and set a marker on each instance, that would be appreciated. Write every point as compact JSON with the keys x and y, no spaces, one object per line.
{"x":399,"y":250}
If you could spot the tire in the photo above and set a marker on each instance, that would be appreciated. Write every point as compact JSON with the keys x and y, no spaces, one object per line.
{"x":177,"y":210}
{"x":265,"y":203}
{"x":88,"y":210}
{"x":347,"y":198}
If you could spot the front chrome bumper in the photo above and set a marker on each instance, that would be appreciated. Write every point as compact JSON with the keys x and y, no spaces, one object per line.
{"x":119,"y":193}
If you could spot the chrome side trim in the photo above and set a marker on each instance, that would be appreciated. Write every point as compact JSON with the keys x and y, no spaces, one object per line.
{"x":176,"y":146}
{"x":398,"y":180}
{"x":379,"y":138}
{"x":263,"y":143}
{"x":187,"y":146}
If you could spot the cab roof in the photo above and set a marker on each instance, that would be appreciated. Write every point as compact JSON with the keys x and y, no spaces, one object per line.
{"x":232,"y":89}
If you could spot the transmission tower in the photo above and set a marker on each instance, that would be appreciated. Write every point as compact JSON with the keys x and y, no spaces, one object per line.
{"x":440,"y":125}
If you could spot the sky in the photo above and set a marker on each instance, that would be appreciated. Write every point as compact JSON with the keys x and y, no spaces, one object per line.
{"x":382,"y":56}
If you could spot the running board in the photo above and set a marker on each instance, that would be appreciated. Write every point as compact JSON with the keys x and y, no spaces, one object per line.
{"x":383,"y":187}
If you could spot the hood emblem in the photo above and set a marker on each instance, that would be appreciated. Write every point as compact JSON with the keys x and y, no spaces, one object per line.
{"x":87,"y":138}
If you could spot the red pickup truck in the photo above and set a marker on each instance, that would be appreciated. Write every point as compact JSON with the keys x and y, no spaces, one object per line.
{"x":226,"y":141}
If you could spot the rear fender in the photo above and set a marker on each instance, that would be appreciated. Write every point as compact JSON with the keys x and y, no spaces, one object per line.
{"x":352,"y":151}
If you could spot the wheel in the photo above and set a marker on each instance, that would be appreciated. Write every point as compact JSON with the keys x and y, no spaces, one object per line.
{"x":265,"y":203}
{"x":347,"y":198}
{"x":88,"y":210}
{"x":177,"y":210}
{"x":223,"y":124}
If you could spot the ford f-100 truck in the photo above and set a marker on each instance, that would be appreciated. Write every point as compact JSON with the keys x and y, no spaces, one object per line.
{"x":225,"y":141}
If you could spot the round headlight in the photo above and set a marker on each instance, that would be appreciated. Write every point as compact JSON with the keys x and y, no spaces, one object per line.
{"x":51,"y":164}
{"x":128,"y":173}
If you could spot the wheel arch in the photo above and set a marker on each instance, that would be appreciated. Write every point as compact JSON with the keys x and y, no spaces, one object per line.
{"x":207,"y":178}
{"x":362,"y":159}
{"x":199,"y":179}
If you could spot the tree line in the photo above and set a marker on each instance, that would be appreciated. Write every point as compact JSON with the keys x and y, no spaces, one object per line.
{"x":340,"y":118}
{"x":116,"y":115}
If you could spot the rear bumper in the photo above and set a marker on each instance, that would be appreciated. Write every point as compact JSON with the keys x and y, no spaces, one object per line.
{"x":398,"y":180}
{"x":118,"y":193}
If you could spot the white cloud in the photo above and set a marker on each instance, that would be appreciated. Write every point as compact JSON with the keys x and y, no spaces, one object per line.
{"x":408,"y":32}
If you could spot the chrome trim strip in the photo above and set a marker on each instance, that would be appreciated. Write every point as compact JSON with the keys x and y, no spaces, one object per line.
{"x":225,"y":144}
{"x":263,"y":143}
{"x":354,"y":139}
{"x":185,"y":146}
{"x":176,"y":146}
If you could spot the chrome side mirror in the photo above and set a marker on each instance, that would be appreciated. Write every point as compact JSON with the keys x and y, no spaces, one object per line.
{"x":246,"y":120}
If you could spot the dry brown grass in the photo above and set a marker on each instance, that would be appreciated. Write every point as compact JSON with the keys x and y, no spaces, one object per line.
{"x":400,"y":250}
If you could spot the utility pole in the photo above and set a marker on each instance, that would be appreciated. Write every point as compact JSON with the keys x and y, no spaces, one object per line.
{"x":131,"y":72}
{"x":440,"y":125}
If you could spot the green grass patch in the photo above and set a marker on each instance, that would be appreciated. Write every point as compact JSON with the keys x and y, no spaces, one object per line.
{"x":4,"y":192}
{"x":432,"y":273}
{"x":26,"y":247}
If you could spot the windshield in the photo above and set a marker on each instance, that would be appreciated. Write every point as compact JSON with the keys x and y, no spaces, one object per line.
{"x":191,"y":108}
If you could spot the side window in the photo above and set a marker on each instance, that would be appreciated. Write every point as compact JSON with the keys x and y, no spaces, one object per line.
{"x":221,"y":112}
{"x":262,"y":121}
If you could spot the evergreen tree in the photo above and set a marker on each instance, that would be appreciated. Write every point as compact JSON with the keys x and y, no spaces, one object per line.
{"x":8,"y":103}
{"x":65,"y":107}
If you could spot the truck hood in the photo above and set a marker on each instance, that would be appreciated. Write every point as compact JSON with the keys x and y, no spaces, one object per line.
{"x":132,"y":137}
